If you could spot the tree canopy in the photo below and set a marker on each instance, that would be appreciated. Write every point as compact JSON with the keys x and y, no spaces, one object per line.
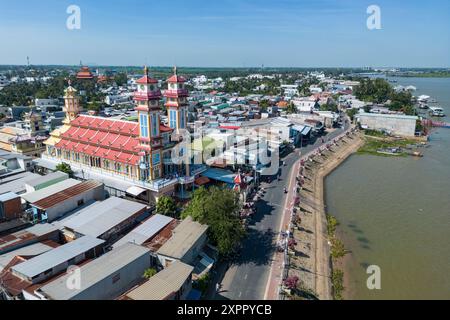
{"x":65,"y":167}
{"x":166,"y":206}
{"x":380,"y":91}
{"x":219,"y":209}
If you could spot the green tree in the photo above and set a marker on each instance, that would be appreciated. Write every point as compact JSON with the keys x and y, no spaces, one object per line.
{"x":65,"y":167}
{"x":263,"y":105}
{"x":219,"y":209}
{"x":291,"y":108}
{"x":352,"y":112}
{"x":121,"y":79}
{"x":166,"y":206}
{"x":150,"y":272}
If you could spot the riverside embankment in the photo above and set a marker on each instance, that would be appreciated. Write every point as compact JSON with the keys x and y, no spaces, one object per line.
{"x":309,"y":257}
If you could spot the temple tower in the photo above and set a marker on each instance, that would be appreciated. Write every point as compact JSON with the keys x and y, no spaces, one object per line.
{"x":176,"y":101}
{"x":71,"y":104}
{"x":147,"y":99}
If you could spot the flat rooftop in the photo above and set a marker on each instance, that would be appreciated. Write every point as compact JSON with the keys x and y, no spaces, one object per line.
{"x":47,"y":178}
{"x":100,"y":217}
{"x":163,"y":284}
{"x":95,"y":271}
{"x":16,"y":183}
{"x":38,"y":195}
{"x":146,"y":230}
{"x":18,"y":238}
{"x":184,"y":236}
{"x":390,"y":116}
{"x":68,"y":193}
{"x":57,"y":256}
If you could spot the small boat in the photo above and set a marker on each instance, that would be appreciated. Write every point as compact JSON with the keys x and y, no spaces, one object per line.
{"x":423,"y":106}
{"x":390,"y":151}
{"x":437,"y":112}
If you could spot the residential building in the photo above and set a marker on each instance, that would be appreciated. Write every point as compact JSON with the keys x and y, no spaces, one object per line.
{"x":53,"y":202}
{"x":104,"y":278}
{"x":103,"y":219}
{"x":146,"y":230}
{"x":53,"y":262}
{"x":172,"y":283}
{"x":186,"y":243}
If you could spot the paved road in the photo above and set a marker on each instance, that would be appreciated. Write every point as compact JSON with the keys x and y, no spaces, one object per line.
{"x":247,"y":277}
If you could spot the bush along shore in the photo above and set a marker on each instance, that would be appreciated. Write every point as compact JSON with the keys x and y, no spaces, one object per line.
{"x":337,"y":252}
{"x":386,"y":146}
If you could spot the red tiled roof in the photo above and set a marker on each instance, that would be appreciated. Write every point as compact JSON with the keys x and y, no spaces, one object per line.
{"x":176,"y":79}
{"x":114,"y":140}
{"x":146,"y":80}
{"x":164,"y":128}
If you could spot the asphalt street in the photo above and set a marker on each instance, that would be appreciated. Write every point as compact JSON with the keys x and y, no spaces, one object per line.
{"x":246,"y":277}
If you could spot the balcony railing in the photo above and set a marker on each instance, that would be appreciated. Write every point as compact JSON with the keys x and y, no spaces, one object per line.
{"x":147,"y":95}
{"x":179,"y":92}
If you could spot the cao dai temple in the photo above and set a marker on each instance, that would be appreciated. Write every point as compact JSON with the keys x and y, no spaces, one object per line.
{"x":136,"y":155}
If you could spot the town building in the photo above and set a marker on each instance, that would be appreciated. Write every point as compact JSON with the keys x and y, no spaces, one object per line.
{"x":31,"y":235}
{"x":104,"y":219}
{"x":186,"y":243}
{"x":137,"y":153}
{"x":85,"y":74}
{"x":42,"y":182}
{"x":53,"y":202}
{"x":55,"y":261}
{"x":104,"y":278}
{"x":172,"y":283}
{"x":401,"y":125}
{"x":146,"y":230}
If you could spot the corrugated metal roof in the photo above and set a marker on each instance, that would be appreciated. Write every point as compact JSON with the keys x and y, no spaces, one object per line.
{"x":146,"y":230}
{"x":43,"y":179}
{"x":16,"y":183}
{"x":8,"y":196}
{"x":57,"y":256}
{"x":163,"y":284}
{"x":41,"y":229}
{"x":185,"y":235}
{"x":31,"y":250}
{"x":68,"y":193}
{"x":35,"y":196}
{"x":95,"y":271}
{"x":100,"y":217}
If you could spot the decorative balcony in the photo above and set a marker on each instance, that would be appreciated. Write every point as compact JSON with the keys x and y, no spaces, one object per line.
{"x":176,"y":93}
{"x":144,"y":96}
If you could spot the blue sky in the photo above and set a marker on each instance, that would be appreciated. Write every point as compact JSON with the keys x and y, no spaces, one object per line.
{"x":239,"y":33}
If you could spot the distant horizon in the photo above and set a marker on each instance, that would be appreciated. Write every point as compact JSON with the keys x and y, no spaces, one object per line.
{"x":222,"y":67}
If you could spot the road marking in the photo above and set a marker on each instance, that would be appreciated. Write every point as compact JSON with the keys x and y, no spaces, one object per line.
{"x":240,"y":294}
{"x":245,"y":277}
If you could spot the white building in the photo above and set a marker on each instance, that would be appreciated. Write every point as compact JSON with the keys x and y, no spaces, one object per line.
{"x":401,"y":125}
{"x":305,"y":104}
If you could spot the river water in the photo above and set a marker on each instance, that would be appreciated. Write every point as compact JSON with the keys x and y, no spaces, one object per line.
{"x":395,"y":214}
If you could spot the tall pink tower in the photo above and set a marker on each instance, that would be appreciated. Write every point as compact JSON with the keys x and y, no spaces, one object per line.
{"x":176,"y":101}
{"x":147,"y":98}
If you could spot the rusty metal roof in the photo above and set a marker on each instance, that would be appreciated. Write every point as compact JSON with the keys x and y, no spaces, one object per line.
{"x":61,"y":196}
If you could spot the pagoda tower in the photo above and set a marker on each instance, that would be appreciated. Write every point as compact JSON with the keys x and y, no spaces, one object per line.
{"x":71,"y":104}
{"x":176,"y":101}
{"x":147,"y":99}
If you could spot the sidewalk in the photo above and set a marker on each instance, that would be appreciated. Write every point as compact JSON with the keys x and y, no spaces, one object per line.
{"x":277,"y":266}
